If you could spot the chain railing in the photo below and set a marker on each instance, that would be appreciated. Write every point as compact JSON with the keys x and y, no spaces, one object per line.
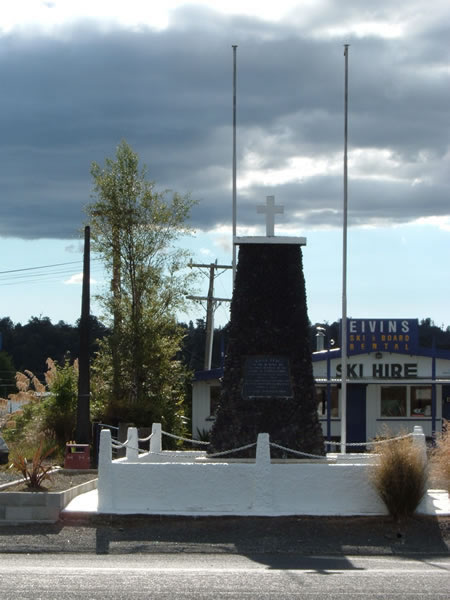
{"x":371,"y":443}
{"x":273,"y":445}
{"x":225,"y":452}
{"x":120,"y":445}
{"x":183,"y":439}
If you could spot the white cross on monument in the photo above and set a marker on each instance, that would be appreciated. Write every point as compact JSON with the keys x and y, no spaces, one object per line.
{"x":270,"y":210}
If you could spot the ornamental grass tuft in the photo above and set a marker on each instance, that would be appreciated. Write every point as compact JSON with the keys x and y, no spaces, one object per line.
{"x":440,"y":458}
{"x":400,"y":477}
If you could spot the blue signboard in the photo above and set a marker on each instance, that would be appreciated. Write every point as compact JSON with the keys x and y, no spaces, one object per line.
{"x":382,"y":335}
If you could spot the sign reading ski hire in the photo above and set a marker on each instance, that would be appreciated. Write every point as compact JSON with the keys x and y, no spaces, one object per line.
{"x":382,"y":335}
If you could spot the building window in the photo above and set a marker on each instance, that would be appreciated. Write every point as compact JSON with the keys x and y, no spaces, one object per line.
{"x":321,"y":400}
{"x":421,"y":401}
{"x":404,"y":401}
{"x":393,"y":401}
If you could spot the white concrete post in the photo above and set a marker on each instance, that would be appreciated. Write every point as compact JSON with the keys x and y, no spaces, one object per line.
{"x":263,"y":498}
{"x":105,"y":495}
{"x":263,"y":449}
{"x":419,"y":441}
{"x":155,"y":440}
{"x":133,"y":444}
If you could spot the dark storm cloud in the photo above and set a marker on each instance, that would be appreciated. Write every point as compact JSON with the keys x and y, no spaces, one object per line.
{"x":68,"y":99}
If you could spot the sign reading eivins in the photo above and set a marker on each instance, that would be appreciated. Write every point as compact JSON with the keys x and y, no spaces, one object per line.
{"x":267,"y":377}
{"x":382,"y":335}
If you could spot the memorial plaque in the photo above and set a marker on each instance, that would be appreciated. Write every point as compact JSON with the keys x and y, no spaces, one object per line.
{"x":267,"y":376}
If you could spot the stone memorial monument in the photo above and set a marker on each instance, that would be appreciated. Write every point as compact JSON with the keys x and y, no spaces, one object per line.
{"x":268,"y":384}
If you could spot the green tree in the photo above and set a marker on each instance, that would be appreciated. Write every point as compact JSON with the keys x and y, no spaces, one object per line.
{"x":134,"y":228}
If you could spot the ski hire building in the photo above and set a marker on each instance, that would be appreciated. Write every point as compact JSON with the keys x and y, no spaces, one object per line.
{"x":392,"y":383}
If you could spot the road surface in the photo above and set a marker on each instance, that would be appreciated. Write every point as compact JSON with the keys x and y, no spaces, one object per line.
{"x":221,"y":576}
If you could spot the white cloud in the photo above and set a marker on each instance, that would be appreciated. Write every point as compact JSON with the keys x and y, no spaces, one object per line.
{"x":442,"y":222}
{"x":77,"y":279}
{"x":48,"y":15}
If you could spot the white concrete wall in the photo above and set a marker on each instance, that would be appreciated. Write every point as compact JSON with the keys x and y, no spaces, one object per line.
{"x":179,"y":488}
{"x":262,"y":488}
{"x":170,"y":456}
{"x":201,"y":407}
{"x":324,"y":489}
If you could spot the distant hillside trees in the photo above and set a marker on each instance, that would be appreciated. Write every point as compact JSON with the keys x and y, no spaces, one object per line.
{"x":31,"y":344}
{"x":193,"y":347}
{"x":28,"y":346}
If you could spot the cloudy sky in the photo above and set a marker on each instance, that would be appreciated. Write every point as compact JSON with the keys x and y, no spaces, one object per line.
{"x":79,"y":76}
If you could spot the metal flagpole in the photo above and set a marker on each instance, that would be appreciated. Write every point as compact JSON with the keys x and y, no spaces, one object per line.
{"x":234,"y":163}
{"x":344,"y":276}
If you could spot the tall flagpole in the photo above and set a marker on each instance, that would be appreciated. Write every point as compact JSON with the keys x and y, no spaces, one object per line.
{"x":344,"y":276}
{"x":234,"y":163}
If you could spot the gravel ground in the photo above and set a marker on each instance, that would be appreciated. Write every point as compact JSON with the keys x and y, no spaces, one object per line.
{"x":57,"y":482}
{"x":7,"y":475}
{"x":425,"y":536}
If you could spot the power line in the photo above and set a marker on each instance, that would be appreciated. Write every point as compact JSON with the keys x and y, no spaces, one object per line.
{"x":75,"y":262}
{"x":45,"y":273}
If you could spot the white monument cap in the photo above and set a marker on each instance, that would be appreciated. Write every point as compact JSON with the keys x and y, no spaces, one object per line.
{"x":261,"y":239}
{"x":270,"y":209}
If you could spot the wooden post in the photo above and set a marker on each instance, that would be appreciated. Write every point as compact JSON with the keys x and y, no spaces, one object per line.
{"x":83,"y":430}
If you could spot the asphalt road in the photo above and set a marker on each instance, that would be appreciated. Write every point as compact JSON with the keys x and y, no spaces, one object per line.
{"x":205,"y":576}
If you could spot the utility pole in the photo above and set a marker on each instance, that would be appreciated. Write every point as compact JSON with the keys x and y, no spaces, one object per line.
{"x":83,"y":429}
{"x":211,"y":305}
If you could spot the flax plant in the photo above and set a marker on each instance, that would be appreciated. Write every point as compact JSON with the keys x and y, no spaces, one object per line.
{"x":36,"y":470}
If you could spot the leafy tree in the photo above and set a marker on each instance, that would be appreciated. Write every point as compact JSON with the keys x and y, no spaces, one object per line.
{"x":134,"y":228}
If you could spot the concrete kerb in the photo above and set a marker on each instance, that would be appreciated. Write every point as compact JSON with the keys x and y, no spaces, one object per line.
{"x":38,"y":507}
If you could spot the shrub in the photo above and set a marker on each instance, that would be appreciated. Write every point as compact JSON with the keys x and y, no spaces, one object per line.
{"x":34,"y":471}
{"x":59,"y":408}
{"x":440,"y":457}
{"x":23,"y":426}
{"x":400,"y":476}
{"x":47,"y":410}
